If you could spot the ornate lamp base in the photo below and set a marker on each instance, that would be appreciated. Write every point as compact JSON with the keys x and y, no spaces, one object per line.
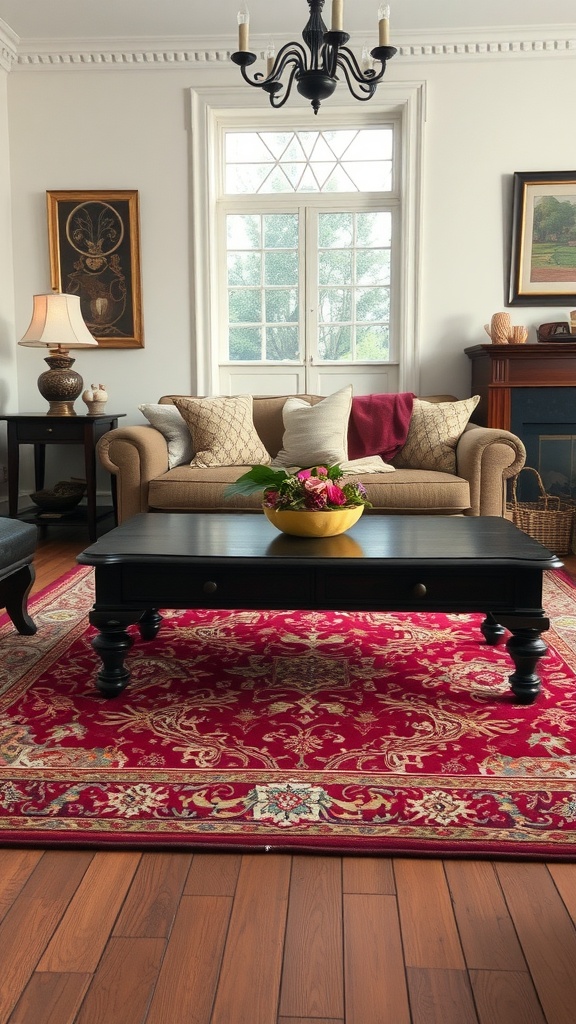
{"x":60,"y":385}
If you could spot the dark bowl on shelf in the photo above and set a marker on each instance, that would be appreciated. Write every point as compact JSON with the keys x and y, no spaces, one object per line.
{"x":62,"y":498}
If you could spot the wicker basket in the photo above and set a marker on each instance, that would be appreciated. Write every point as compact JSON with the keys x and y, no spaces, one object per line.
{"x":549,"y":520}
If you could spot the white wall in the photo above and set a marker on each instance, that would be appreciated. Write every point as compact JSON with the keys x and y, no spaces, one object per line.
{"x":8,"y":395}
{"x":107,"y":128}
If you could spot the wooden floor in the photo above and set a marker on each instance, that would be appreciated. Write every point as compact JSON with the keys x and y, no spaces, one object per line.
{"x":178,"y":938}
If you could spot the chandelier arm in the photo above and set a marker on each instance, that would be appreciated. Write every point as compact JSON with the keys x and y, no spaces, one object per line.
{"x":278,"y":99}
{"x":367,"y":80}
{"x":290,"y":53}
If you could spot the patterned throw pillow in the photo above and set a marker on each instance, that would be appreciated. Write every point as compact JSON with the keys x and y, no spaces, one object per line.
{"x":315,"y":435}
{"x":169,"y":422}
{"x":434,"y":432}
{"x":223,"y":431}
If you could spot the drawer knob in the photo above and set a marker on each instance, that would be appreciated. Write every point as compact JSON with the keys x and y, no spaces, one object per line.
{"x":419,"y":590}
{"x":210,"y":587}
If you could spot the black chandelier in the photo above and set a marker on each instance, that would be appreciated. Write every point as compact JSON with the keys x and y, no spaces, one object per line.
{"x":315,"y":72}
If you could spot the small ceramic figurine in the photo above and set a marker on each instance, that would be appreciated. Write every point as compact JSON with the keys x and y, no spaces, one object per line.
{"x":95,"y":398}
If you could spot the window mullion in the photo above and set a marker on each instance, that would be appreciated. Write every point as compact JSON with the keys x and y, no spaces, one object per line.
{"x":309,"y":257}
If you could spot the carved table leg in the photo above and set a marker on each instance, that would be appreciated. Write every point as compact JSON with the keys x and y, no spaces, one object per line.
{"x":492,"y":631}
{"x":111,"y":643}
{"x":150,"y":624}
{"x":526,"y":647}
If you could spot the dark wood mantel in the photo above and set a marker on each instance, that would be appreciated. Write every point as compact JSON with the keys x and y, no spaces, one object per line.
{"x":498,"y":369}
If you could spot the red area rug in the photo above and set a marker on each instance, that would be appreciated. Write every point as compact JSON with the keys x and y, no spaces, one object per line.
{"x":356,"y":733}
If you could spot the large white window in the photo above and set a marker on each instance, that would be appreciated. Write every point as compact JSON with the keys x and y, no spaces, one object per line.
{"x":310,"y":256}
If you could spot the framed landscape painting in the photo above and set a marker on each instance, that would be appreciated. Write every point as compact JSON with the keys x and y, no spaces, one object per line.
{"x":543,"y":251}
{"x":95,"y":253}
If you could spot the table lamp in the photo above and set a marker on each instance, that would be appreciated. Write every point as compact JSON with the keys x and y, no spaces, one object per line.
{"x":57,"y":323}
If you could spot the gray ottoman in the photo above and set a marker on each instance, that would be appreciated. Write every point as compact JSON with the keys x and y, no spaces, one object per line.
{"x":17,"y":548}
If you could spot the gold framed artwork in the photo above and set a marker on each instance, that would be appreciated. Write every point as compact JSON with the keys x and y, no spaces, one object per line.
{"x":94,"y":245}
{"x":543,"y":244}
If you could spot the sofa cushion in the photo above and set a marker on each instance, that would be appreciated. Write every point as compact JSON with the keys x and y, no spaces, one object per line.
{"x":168,"y":420}
{"x":406,"y":491}
{"x":223,"y":432}
{"x":434,"y":432}
{"x":315,"y":435}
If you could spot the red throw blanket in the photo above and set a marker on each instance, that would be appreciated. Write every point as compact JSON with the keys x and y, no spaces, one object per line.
{"x":379,"y":425}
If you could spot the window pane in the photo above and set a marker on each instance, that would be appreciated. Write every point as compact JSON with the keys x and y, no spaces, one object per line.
{"x":244,"y":268}
{"x":372,"y":304}
{"x":373,"y":266}
{"x":243,"y":231}
{"x":280,"y":231}
{"x":335,"y":229}
{"x":281,"y":343}
{"x":245,"y":343}
{"x":335,"y":267}
{"x":246,"y":179}
{"x":374,"y":229}
{"x":373,"y":342}
{"x":335,"y":342}
{"x":244,"y":306}
{"x":281,"y":268}
{"x":341,"y":160}
{"x":281,"y":305}
{"x":335,"y":304}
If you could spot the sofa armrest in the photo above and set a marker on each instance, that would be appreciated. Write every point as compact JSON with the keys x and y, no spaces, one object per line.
{"x":135,"y":456}
{"x":487,"y":457}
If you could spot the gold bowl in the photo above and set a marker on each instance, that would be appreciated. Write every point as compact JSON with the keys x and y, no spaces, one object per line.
{"x":305,"y":523}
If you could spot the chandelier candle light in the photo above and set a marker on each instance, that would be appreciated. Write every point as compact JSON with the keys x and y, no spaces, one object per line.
{"x":315,"y":72}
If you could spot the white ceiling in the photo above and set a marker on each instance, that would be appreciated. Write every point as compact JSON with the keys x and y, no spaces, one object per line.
{"x":43,"y":20}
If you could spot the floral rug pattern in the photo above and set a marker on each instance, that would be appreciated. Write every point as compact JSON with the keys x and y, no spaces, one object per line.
{"x":351,"y":732}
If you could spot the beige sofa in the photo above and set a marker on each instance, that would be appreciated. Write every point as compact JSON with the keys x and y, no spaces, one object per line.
{"x":137,"y":458}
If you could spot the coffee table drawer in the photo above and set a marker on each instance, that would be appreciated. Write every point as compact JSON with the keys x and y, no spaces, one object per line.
{"x":172,"y":586}
{"x":406,"y":589}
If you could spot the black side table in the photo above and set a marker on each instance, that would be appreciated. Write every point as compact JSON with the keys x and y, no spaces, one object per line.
{"x":41,"y":430}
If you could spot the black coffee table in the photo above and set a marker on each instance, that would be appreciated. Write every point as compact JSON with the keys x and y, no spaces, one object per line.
{"x":384,"y":563}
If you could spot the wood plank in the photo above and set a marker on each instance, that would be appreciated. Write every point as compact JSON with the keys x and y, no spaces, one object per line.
{"x":368,"y":874}
{"x":375,"y":983}
{"x":442,"y":997}
{"x":32,"y":918}
{"x":486,"y":931}
{"x":564,"y":876}
{"x":152,"y":900}
{"x":312,"y":974}
{"x":124,"y":982}
{"x":249,"y":983}
{"x":213,"y":874}
{"x":189,"y":973}
{"x":310,"y":1020}
{"x":427,"y":921}
{"x":506,"y":997}
{"x":546,"y":934}
{"x":79,"y":940}
{"x":16,"y":866}
{"x":51,"y":998}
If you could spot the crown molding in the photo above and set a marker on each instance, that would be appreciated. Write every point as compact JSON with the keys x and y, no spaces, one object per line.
{"x":150,"y":53}
{"x":8,"y":46}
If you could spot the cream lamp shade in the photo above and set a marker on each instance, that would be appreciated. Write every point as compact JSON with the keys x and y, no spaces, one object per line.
{"x":57,"y":324}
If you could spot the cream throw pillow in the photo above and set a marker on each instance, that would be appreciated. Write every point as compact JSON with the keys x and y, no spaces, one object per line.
{"x":223,"y":431}
{"x":167,"y":419}
{"x":434,"y":432}
{"x":315,"y":435}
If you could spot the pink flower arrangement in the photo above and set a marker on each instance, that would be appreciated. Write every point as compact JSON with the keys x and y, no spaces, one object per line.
{"x":319,"y":489}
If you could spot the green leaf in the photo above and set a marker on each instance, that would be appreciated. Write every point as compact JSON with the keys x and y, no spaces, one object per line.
{"x":256,"y":479}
